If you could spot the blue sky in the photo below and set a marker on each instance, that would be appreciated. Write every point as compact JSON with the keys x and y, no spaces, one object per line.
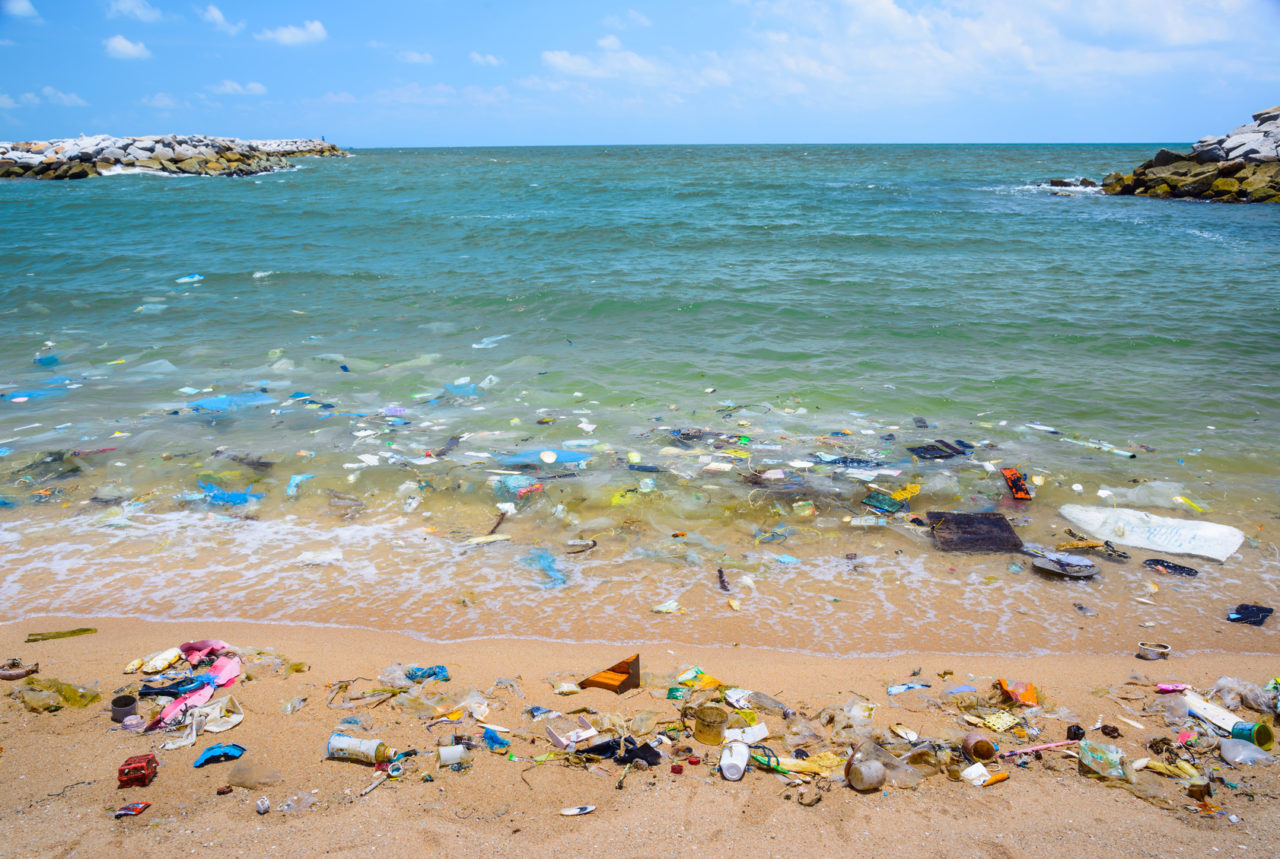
{"x":438,"y":73}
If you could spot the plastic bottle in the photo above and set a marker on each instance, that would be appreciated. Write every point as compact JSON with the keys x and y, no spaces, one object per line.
{"x":1243,"y":753}
{"x":761,"y":701}
{"x":346,"y":748}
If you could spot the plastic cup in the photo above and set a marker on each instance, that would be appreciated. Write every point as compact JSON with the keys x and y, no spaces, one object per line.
{"x":122,"y":707}
{"x":977,"y":747}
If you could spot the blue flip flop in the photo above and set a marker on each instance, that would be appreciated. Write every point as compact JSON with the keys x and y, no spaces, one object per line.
{"x":216,"y":754}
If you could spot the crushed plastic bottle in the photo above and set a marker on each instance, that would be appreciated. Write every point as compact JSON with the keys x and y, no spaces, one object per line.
{"x":1243,"y":753}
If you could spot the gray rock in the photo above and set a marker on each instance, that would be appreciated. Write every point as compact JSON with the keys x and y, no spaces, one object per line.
{"x":1214,"y":152}
{"x":182,"y":152}
{"x":1267,"y":115}
{"x":1166,"y":157}
{"x":162,"y":153}
{"x":144,"y":144}
{"x":113,"y":153}
{"x":137,"y":153}
{"x":1247,"y":128}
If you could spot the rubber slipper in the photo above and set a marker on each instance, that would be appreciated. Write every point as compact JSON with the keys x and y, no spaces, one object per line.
{"x":218,"y":753}
{"x":1169,"y":567}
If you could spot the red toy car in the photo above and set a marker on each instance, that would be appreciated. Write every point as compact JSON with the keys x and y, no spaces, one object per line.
{"x":138,"y":771}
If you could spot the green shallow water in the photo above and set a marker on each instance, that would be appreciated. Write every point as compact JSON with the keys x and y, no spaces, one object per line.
{"x":816,"y":289}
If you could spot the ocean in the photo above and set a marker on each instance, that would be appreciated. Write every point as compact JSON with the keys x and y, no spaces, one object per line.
{"x":667,"y":361}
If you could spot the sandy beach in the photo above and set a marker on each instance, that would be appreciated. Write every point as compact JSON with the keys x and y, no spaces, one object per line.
{"x":59,"y":769}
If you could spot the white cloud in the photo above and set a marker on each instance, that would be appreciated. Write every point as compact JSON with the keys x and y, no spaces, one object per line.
{"x":121,"y":48}
{"x":310,"y":31}
{"x":160,"y":101}
{"x":213,"y":15}
{"x":415,"y":57}
{"x":20,"y":9}
{"x":485,"y":59}
{"x":415,"y":93}
{"x":232,"y":88}
{"x":140,"y":9}
{"x":338,"y":98}
{"x":613,"y":63}
{"x":610,"y":43}
{"x":7,"y":43}
{"x":6,"y":102}
{"x":30,"y":98}
{"x":65,"y":99}
{"x":632,"y":19}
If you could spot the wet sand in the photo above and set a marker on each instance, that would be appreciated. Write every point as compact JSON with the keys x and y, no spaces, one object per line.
{"x":59,"y":769}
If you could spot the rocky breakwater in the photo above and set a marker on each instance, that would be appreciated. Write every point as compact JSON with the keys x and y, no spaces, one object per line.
{"x":1242,"y":166}
{"x":82,"y":157}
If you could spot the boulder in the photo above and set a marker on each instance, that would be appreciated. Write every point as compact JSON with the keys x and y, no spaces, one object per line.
{"x":1194,"y":183}
{"x":112,"y":153}
{"x":1221,"y":187}
{"x":137,"y":153}
{"x":148,"y":164}
{"x":1165,"y":157}
{"x":1268,"y":115}
{"x":1211,"y":153}
{"x":183,"y":152}
{"x":162,"y":153}
{"x":190,"y":165}
{"x":1230,"y":168}
{"x":79,"y":170}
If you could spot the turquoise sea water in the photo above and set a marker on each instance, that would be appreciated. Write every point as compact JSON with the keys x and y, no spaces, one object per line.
{"x":818,"y":290}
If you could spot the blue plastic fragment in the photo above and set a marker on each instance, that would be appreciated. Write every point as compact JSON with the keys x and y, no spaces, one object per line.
{"x":495,"y":742}
{"x":461,"y":390}
{"x":507,"y":487}
{"x":5,"y":451}
{"x":905,"y":687}
{"x":190,"y":278}
{"x":219,"y":753}
{"x":292,"y":489}
{"x":344,"y":368}
{"x":786,"y":559}
{"x":534,"y":457}
{"x":214,"y":495}
{"x":956,"y":690}
{"x":41,"y":394}
{"x":543,"y":560}
{"x":45,"y":360}
{"x":232,"y":402}
{"x":421,"y":675}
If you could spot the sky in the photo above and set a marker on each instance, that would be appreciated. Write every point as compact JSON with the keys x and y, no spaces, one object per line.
{"x":493,"y":73}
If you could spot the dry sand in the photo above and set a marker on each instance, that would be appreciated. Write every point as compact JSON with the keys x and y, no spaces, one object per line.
{"x":58,"y":769}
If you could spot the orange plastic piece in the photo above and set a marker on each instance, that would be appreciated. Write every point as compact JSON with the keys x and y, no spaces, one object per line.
{"x":617,"y":679}
{"x":1017,"y":485}
{"x":1023,"y":693}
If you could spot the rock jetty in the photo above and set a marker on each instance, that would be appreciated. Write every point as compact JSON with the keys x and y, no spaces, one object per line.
{"x":82,"y":157}
{"x":1242,"y":166}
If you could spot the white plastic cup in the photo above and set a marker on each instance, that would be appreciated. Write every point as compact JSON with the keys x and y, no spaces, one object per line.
{"x":450,"y":755}
{"x":733,"y":760}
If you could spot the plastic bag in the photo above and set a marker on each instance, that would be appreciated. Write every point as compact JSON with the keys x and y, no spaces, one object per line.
{"x":47,"y":695}
{"x":1233,"y":692}
{"x":1104,"y":760}
{"x":644,"y":722}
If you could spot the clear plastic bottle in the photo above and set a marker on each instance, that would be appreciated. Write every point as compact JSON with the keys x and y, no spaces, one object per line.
{"x":761,"y":701}
{"x":1243,"y":753}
